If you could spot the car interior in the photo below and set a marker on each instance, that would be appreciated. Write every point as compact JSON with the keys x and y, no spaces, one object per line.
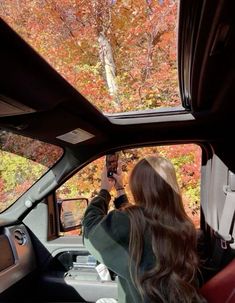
{"x":38,"y":262}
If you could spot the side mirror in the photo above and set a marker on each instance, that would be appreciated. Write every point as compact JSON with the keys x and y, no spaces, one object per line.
{"x":71,"y":213}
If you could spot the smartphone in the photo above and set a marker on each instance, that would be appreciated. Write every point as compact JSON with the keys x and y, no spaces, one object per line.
{"x":111,"y":164}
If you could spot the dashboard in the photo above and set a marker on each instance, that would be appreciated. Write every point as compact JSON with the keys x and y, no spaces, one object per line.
{"x":17,"y":257}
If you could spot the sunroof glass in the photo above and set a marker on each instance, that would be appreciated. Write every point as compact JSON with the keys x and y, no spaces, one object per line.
{"x":120,"y":55}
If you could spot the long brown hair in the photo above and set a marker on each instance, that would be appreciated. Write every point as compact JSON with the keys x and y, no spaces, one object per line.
{"x":159,"y":213}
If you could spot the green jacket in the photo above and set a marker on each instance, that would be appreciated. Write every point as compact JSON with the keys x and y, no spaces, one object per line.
{"x":106,"y":236}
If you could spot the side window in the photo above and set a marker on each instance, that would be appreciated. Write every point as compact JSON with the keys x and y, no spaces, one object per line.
{"x":85,"y":183}
{"x":23,"y":161}
{"x":185,"y":157}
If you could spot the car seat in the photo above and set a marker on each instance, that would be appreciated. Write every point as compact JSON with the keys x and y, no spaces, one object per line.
{"x":221,"y":288}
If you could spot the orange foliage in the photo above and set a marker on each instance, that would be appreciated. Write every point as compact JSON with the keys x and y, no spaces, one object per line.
{"x":142,"y":36}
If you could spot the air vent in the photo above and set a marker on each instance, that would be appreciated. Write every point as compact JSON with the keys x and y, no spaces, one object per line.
{"x":20,"y":237}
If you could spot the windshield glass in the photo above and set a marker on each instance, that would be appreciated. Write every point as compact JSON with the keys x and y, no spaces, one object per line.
{"x":22,"y":162}
{"x":119,"y":54}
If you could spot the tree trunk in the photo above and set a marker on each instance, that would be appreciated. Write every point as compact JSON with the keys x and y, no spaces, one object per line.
{"x":109,"y":68}
{"x":103,"y":22}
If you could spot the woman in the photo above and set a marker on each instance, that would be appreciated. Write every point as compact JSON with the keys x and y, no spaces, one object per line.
{"x":150,"y":245}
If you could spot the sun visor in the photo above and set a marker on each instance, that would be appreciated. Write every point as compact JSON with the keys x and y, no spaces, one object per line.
{"x":9,"y":107}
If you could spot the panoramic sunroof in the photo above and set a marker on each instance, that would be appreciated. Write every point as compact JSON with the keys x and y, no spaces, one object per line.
{"x":119,"y":54}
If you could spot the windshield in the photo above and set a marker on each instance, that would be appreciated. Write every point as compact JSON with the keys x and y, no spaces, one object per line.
{"x":22,"y":162}
{"x":121,"y":55}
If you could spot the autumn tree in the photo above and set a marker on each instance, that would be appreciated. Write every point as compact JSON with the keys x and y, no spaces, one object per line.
{"x":121,"y":55}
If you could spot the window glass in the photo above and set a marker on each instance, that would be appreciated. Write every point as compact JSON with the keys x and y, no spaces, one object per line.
{"x":119,"y":54}
{"x":22,"y":162}
{"x":185,"y":157}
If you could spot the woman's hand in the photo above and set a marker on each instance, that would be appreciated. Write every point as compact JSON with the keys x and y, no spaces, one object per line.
{"x":106,"y":182}
{"x":119,"y":180}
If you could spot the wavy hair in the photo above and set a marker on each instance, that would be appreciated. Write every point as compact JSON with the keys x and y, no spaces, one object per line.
{"x":159,"y":213}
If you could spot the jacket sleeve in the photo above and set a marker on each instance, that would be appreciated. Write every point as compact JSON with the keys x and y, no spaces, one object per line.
{"x":120,"y":201}
{"x":106,"y":235}
{"x":96,"y":211}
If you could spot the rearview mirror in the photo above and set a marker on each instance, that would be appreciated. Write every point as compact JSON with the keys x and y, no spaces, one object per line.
{"x":71,"y":213}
